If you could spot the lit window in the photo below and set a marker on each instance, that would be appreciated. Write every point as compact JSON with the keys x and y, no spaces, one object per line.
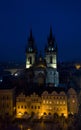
{"x":52,"y":48}
{"x":73,"y":101}
{"x":50,"y":102}
{"x":60,"y":102}
{"x":43,"y":101}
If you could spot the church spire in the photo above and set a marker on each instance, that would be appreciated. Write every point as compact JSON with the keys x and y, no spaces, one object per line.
{"x":31,"y":45}
{"x":30,"y":51}
{"x":51,"y":39}
{"x":51,"y":35}
{"x":31,"y":37}
{"x":51,"y":51}
{"x":51,"y":45}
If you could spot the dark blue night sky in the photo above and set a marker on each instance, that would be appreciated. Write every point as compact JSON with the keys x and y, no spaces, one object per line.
{"x":17,"y":17}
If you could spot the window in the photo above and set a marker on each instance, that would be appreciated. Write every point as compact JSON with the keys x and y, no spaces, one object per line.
{"x":21,"y":106}
{"x":63,"y":102}
{"x":73,"y":101}
{"x":44,"y":101}
{"x":25,"y":107}
{"x":47,"y":102}
{"x":30,"y":60}
{"x":50,"y":102}
{"x":38,"y":107}
{"x":60,"y":102}
{"x":31,"y":107}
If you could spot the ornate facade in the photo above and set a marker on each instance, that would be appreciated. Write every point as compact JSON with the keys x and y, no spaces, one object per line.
{"x":47,"y":104}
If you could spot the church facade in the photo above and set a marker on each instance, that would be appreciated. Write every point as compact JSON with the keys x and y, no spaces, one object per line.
{"x":45,"y":69}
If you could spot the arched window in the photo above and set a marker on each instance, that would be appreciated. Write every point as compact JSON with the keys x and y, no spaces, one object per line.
{"x":30,"y":60}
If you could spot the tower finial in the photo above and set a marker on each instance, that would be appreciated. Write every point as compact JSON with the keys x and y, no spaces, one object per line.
{"x":51,"y":38}
{"x":30,"y":32}
{"x":31,"y":36}
{"x":51,"y":34}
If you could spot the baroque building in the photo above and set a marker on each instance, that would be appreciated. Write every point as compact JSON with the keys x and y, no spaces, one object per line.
{"x":36,"y":88}
{"x":47,"y":104}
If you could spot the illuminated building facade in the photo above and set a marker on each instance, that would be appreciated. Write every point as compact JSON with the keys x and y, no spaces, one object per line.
{"x":41,"y":93}
{"x":47,"y":103}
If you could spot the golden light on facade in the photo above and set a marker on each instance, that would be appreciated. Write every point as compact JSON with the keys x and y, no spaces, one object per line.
{"x":78,"y":66}
{"x":41,"y":65}
{"x":73,"y":101}
{"x":41,"y":114}
{"x":19,"y":115}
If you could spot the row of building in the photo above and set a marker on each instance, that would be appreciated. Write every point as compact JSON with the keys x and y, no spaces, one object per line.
{"x":45,"y":104}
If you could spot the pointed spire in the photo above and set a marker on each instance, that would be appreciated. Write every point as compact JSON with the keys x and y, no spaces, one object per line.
{"x":51,"y":38}
{"x":31,"y":36}
{"x":51,"y":34}
{"x":31,"y":44}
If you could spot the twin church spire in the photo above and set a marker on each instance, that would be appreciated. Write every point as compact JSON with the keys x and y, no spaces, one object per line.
{"x":50,"y":51}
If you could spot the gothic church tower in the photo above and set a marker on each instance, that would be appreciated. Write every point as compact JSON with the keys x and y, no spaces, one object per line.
{"x":30,"y":51}
{"x":52,"y":77}
{"x":51,"y":51}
